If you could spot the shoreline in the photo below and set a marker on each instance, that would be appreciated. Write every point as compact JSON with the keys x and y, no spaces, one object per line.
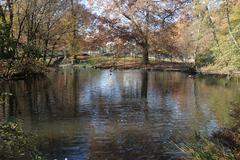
{"x":164,"y":66}
{"x":155,"y":66}
{"x":219,"y":73}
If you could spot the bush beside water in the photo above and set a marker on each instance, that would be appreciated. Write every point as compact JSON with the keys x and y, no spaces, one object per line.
{"x":16,"y":144}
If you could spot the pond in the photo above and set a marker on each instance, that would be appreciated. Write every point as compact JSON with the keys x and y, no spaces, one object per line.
{"x":120,"y":115}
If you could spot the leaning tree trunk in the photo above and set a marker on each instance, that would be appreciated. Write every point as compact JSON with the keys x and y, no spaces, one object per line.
{"x":214,"y":29}
{"x":230,"y":29}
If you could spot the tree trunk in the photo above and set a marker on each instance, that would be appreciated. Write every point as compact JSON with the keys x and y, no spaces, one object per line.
{"x":145,"y":55}
{"x":53,"y":47}
{"x":45,"y":49}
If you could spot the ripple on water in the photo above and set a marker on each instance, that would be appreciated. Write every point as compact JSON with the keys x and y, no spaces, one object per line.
{"x":135,"y":115}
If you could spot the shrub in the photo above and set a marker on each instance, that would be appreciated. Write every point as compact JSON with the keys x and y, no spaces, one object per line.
{"x":205,"y":59}
{"x":16,"y":144}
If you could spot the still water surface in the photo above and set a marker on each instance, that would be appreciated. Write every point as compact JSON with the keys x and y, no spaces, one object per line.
{"x":119,"y":115}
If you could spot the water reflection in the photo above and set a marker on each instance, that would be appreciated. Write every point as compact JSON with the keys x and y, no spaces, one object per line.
{"x":95,"y":114}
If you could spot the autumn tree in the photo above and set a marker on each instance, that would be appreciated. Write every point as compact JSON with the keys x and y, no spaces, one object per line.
{"x":32,"y":31}
{"x":140,"y":21}
{"x":211,"y":34}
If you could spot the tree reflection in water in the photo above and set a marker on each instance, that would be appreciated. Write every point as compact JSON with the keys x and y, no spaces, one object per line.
{"x":134,"y":114}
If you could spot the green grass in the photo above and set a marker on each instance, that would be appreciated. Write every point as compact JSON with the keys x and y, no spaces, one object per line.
{"x":98,"y":60}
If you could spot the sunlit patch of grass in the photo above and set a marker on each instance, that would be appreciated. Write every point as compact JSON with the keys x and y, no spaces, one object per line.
{"x":112,"y":60}
{"x":97,"y":59}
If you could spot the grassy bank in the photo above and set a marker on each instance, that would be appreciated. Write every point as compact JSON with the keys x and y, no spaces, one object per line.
{"x":110,"y":62}
{"x":223,"y":144}
{"x":214,"y":69}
